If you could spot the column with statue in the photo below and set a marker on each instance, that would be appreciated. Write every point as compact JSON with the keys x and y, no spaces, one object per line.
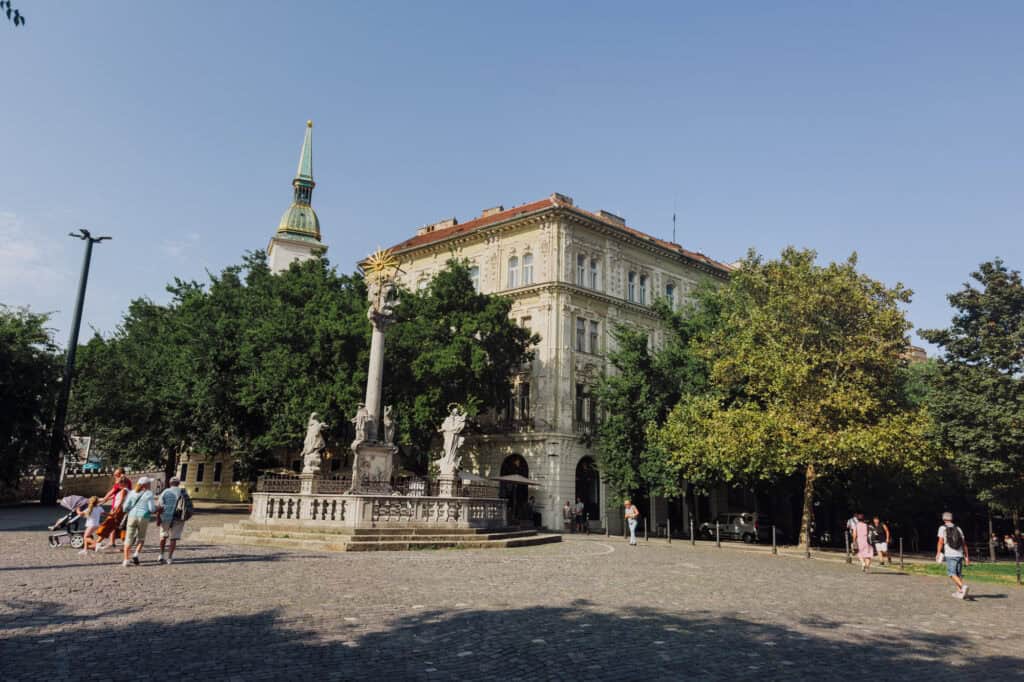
{"x":374,"y":451}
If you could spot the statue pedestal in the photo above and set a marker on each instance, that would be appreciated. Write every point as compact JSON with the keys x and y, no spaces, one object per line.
{"x":306,"y":483}
{"x":373,"y":465}
{"x":446,"y":486}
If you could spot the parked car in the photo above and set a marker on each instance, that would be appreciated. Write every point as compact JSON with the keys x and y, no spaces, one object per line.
{"x":89,"y":467}
{"x":746,"y":526}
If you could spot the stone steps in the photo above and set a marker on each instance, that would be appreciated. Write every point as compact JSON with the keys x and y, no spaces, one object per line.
{"x":315,"y":534}
{"x":338,"y":542}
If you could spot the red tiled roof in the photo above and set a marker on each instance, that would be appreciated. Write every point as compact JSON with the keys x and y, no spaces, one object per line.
{"x":549,"y":202}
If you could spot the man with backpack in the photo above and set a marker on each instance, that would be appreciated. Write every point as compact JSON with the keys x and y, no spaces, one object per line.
{"x":174,"y":509}
{"x":952,"y":547}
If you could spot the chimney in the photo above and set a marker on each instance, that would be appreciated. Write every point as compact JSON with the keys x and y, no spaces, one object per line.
{"x":491,"y":211}
{"x":561,"y":198}
{"x":608,"y":215}
{"x":440,"y":225}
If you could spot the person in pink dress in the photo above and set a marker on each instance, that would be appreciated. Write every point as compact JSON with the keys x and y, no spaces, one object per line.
{"x":864,"y":549}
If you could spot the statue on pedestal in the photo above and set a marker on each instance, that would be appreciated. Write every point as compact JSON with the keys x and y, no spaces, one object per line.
{"x":452,"y":427}
{"x":389,"y":426}
{"x":362,"y":423}
{"x":314,"y":445}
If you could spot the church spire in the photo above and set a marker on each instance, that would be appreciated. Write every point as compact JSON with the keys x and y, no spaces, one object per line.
{"x":300,"y":221}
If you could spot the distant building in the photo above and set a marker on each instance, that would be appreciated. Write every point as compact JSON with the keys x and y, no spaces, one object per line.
{"x":298,"y":233}
{"x":572,"y":275}
{"x":915,"y":354}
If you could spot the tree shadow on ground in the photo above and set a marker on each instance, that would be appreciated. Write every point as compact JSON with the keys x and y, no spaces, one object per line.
{"x":579,"y":642}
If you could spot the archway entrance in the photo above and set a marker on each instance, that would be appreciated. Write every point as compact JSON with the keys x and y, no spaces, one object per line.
{"x":588,"y":487}
{"x":516,"y":494}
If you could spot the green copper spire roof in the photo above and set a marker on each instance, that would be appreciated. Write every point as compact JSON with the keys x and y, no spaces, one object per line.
{"x":300,"y":221}
{"x":305,"y":171}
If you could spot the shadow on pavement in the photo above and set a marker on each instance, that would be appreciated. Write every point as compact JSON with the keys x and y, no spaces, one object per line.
{"x":577,"y":642}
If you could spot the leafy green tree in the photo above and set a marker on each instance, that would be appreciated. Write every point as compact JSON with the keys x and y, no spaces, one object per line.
{"x":641,"y":390}
{"x":977,"y":394}
{"x":805,"y":377}
{"x":449,"y":344}
{"x":29,"y":377}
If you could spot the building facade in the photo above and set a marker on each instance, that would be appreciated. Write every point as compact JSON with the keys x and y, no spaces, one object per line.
{"x":573,"y":275}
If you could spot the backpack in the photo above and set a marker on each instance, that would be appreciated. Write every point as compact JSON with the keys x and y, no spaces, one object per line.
{"x":183,"y":508}
{"x":954,"y":537}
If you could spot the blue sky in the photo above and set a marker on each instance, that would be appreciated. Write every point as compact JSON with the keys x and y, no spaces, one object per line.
{"x":892,"y":129}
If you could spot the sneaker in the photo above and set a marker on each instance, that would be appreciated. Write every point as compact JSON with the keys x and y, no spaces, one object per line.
{"x":958,"y":595}
{"x":135,"y":559}
{"x":964,"y":591}
{"x":168,"y":561}
{"x":83,"y":552}
{"x":160,"y":560}
{"x":126,"y":563}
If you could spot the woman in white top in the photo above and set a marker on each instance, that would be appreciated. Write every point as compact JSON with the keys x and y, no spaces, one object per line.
{"x":92,"y":512}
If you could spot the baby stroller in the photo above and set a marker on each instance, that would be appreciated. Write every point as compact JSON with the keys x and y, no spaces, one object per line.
{"x":70,"y":528}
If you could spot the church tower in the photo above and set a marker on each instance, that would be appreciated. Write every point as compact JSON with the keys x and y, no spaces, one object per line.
{"x":298,"y":233}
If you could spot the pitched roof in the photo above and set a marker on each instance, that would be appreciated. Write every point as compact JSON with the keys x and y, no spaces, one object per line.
{"x":551,"y":202}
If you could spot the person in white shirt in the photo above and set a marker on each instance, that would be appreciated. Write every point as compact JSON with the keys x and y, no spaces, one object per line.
{"x":92,"y":512}
{"x":952,"y":546}
{"x":631,"y":515}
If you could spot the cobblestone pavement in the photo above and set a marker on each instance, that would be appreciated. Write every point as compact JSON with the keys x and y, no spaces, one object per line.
{"x":585,"y":609}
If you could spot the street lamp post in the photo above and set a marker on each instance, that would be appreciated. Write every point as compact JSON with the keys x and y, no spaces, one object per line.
{"x":51,"y":482}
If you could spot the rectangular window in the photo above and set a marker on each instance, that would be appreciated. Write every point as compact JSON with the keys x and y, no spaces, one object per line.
{"x":513,"y":272}
{"x":593,"y":273}
{"x":631,"y":287}
{"x":184,"y":473}
{"x":643,"y":289}
{"x":591,"y":410}
{"x":581,"y":335}
{"x":527,"y":269}
{"x":670,"y":294}
{"x":217,"y":469}
{"x":474,"y":276}
{"x":236,"y":473}
{"x":594,"y":347}
{"x":581,"y":263}
{"x":581,"y":403}
{"x":200,"y":472}
{"x":526,"y":323}
{"x":524,"y":400}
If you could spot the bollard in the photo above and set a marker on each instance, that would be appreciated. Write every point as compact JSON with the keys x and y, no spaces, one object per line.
{"x":718,"y":537}
{"x":646,"y":537}
{"x":693,"y":538}
{"x":901,"y":552}
{"x":668,"y":529}
{"x":775,"y":548}
{"x":846,"y":538}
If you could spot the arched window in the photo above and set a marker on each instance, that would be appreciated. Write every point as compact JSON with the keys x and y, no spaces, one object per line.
{"x":527,"y":268}
{"x":474,"y":275}
{"x":513,"y":272}
{"x":670,"y":294}
{"x":643,"y":289}
{"x":631,"y":287}
{"x":581,"y":272}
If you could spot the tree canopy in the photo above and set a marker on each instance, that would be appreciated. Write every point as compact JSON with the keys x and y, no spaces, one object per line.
{"x":805,"y":376}
{"x":29,"y":378}
{"x":977,"y":392}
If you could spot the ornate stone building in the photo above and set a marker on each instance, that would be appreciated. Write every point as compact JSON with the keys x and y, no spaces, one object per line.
{"x":572,"y":275}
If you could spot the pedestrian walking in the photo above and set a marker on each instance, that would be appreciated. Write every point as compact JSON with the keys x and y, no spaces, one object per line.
{"x":952,"y":546}
{"x":139,"y":508}
{"x":880,"y":537}
{"x":851,"y":530}
{"x":92,"y":513}
{"x":631,"y":515}
{"x":173,"y":510}
{"x":568,"y":516}
{"x":864,"y":549}
{"x":577,"y":511}
{"x":111,"y":526}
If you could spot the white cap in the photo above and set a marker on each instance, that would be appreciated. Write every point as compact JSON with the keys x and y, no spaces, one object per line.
{"x":144,"y":480}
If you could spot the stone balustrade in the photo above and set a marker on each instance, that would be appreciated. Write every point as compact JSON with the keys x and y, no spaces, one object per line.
{"x":377,"y":511}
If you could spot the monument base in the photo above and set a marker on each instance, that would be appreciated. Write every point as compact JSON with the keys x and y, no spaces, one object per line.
{"x":373,"y":465}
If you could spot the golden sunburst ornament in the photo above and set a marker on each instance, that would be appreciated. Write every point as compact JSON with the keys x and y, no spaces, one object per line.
{"x":381,"y":264}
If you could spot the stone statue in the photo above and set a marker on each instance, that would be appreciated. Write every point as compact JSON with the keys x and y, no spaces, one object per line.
{"x":313,"y":447}
{"x":362,"y":424}
{"x":389,"y":426}
{"x":452,"y":426}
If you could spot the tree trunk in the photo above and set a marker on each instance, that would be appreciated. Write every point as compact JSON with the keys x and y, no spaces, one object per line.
{"x":991,"y":540}
{"x":170,"y":466}
{"x":1016,"y":524}
{"x":808,"y":512}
